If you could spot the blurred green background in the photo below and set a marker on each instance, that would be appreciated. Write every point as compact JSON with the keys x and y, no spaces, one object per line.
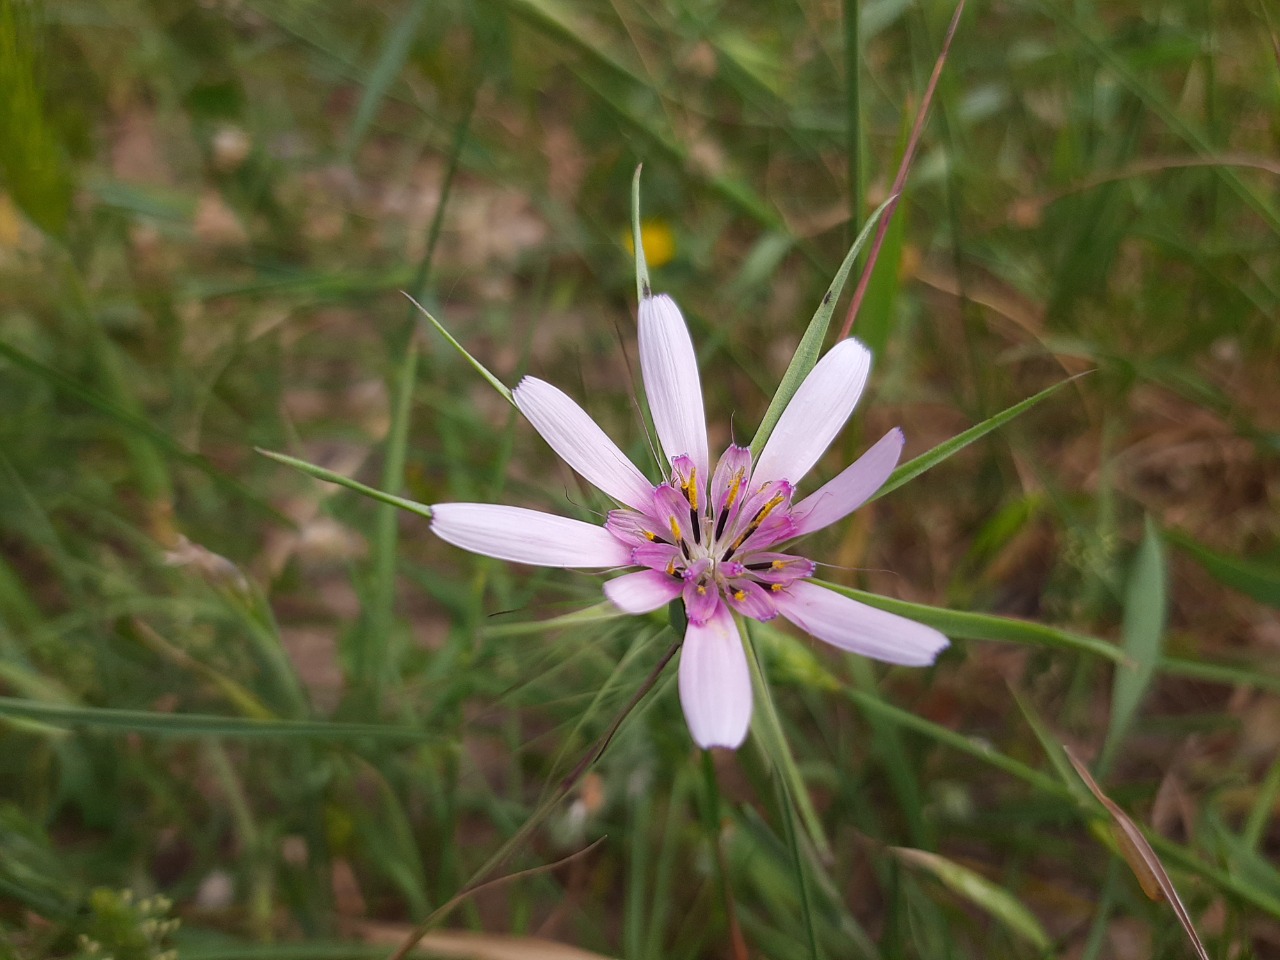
{"x":304,"y":723}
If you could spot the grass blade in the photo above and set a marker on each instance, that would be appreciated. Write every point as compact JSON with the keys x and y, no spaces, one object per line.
{"x":981,"y":892}
{"x":900,"y":179}
{"x":926,"y":461}
{"x":203,"y":724}
{"x":810,"y":348}
{"x":395,"y":51}
{"x":1254,"y":579}
{"x":1144,"y":620}
{"x":965,"y":625}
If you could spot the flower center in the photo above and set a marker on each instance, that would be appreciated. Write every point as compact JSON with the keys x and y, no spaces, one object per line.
{"x":717,"y":538}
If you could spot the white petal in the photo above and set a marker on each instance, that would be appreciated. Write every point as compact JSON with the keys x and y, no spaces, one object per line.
{"x":670,"y":371}
{"x":858,"y":628}
{"x":715,"y":684}
{"x":852,"y":488}
{"x":581,"y":443}
{"x":527,"y":536}
{"x":643,"y":591}
{"x":815,"y":414}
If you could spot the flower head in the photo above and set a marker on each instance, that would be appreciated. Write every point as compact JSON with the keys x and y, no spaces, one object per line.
{"x":719,"y":539}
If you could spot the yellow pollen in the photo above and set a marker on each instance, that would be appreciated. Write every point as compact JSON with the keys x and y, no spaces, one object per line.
{"x":691,"y":489}
{"x":671,"y":568}
{"x":734,"y":486}
{"x":775,"y":587}
{"x":778,"y":564}
{"x":702,"y":590}
{"x":769,"y":507}
{"x":739,"y":595}
{"x":650,"y":536}
{"x":675,"y":529}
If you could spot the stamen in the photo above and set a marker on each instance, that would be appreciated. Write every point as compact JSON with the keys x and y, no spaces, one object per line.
{"x":739,"y":595}
{"x":759,"y":518}
{"x":690,"y":488}
{"x":735,"y":485}
{"x":671,"y":568}
{"x":775,"y":587}
{"x":695,"y":522}
{"x":722,"y":520}
{"x":675,"y":530}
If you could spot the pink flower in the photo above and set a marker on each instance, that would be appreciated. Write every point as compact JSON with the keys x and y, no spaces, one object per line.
{"x":719,"y":540}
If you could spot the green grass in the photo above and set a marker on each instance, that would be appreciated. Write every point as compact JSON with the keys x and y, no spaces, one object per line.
{"x":306,"y":723}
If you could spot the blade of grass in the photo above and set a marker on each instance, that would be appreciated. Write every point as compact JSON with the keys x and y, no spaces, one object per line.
{"x":809,"y":349}
{"x":391,"y":60}
{"x":900,"y":179}
{"x":1143,"y":630}
{"x":966,"y":625}
{"x":852,"y":24}
{"x":204,"y":725}
{"x":926,"y":461}
{"x":1255,"y":579}
{"x":989,"y":897}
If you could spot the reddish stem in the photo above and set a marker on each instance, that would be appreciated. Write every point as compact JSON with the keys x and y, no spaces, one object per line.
{"x":903,"y":169}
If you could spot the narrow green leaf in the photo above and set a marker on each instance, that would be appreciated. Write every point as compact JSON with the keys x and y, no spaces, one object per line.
{"x":376,"y":659}
{"x":395,"y":51}
{"x":479,"y":367}
{"x":810,"y":348}
{"x":320,"y":473}
{"x":981,"y":892}
{"x":965,"y":625}
{"x":202,"y":724}
{"x":926,"y":461}
{"x":1144,"y":619}
{"x":1261,"y":581}
{"x":643,"y":288}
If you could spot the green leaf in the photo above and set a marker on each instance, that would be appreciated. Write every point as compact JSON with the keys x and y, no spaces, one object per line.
{"x":202,"y":724}
{"x":395,"y":51}
{"x":965,"y":625}
{"x":926,"y":461}
{"x":479,"y":367}
{"x":1144,"y":619}
{"x":1261,"y":581}
{"x":810,"y":348}
{"x":981,"y":892}
{"x":320,"y":473}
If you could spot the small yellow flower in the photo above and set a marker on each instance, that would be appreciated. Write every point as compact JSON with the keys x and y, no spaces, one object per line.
{"x":658,"y":240}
